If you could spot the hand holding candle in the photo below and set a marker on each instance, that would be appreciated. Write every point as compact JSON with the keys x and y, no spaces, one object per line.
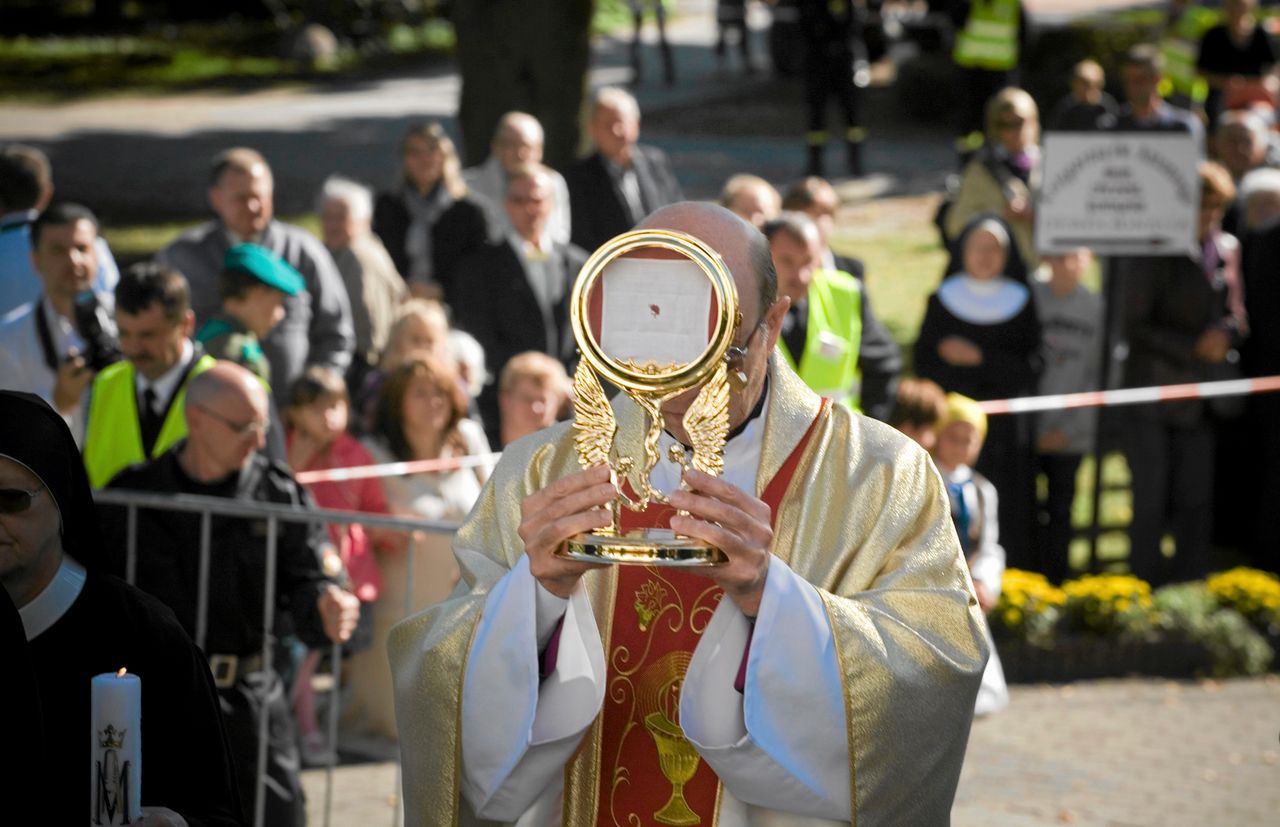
{"x":115,"y":768}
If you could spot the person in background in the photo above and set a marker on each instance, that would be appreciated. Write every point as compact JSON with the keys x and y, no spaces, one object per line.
{"x":989,"y":38}
{"x":918,"y":408}
{"x":1242,"y":143}
{"x":26,"y":189}
{"x":622,"y":181}
{"x":981,"y":337}
{"x":751,"y":197}
{"x":1004,"y":175}
{"x":468,"y":355}
{"x":429,"y":222}
{"x":136,"y":405}
{"x":421,"y":416}
{"x":227,"y":414}
{"x":1237,"y":60}
{"x":1185,"y":23}
{"x":316,"y":329}
{"x":1071,"y":330}
{"x":373,"y":284}
{"x":254,"y":284}
{"x":974,"y":510}
{"x":317,"y":440}
{"x":517,"y":142}
{"x":533,"y":393}
{"x":637,"y":21}
{"x":835,"y":65}
{"x":1260,"y":356}
{"x":1088,"y":107}
{"x":41,"y":350}
{"x":1144,"y":109}
{"x":823,"y":326}
{"x":1184,"y":318}
{"x":419,"y":325}
{"x":879,"y":357}
{"x":731,"y":16}
{"x":513,"y":295}
{"x":73,"y":622}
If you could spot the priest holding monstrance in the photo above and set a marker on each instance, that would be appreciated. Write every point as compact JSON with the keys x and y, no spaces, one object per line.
{"x":718,"y":599}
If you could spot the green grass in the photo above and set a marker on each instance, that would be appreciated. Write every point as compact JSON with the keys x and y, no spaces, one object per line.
{"x":195,"y":56}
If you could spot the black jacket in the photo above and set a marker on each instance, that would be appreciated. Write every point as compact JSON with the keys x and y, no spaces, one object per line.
{"x":460,"y":230}
{"x":494,"y":302}
{"x":599,"y":210}
{"x":168,"y":548}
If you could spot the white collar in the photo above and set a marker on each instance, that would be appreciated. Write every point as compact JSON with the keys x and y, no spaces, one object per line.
{"x":977,"y":301}
{"x":828,"y":259}
{"x":48,"y":607}
{"x":961,"y":473}
{"x":741,"y":457}
{"x":166,"y":384}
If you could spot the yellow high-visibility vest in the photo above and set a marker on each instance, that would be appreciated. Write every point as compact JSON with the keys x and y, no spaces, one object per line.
{"x":113,"y":434}
{"x":989,"y":39}
{"x":833,"y":337}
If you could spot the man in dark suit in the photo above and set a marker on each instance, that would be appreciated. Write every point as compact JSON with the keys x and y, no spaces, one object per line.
{"x":622,"y":181}
{"x":513,"y":294}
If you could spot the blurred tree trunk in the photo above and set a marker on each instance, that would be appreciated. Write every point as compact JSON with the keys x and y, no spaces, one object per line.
{"x":529,"y":55}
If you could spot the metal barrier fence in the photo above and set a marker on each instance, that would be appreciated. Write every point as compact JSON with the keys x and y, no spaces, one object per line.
{"x":274,"y":514}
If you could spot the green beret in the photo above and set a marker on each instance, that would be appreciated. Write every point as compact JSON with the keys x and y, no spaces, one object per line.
{"x":265,"y":266}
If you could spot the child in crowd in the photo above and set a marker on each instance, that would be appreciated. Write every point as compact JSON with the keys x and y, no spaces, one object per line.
{"x":317,"y":439}
{"x":1071,"y":324}
{"x":918,"y":407}
{"x":974,"y":509}
{"x":254,"y":283}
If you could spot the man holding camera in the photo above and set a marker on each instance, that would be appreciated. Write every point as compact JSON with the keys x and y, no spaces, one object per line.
{"x":42,"y":349}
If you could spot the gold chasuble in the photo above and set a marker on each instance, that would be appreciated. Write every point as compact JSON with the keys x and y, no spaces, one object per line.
{"x":863,"y":518}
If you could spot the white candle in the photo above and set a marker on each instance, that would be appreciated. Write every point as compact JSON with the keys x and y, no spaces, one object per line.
{"x":115,"y":769}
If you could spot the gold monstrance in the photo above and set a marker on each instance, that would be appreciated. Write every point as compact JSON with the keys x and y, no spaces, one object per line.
{"x":654,"y":312}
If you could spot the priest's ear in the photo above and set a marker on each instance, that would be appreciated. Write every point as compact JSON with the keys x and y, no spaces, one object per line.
{"x":773,"y":318}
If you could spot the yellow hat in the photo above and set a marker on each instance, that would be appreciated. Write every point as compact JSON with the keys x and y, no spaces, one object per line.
{"x":963,"y":409}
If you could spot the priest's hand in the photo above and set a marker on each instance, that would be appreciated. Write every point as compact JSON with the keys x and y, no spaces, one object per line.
{"x":549,"y":517}
{"x":734,"y":522}
{"x":161,"y":817}
{"x":339,"y":611}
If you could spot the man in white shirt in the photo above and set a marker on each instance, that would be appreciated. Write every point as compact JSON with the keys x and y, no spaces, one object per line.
{"x":40,"y":350}
{"x":825,"y":674}
{"x":517,"y":141}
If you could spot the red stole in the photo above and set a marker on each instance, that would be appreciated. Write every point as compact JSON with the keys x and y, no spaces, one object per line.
{"x":648,"y":770}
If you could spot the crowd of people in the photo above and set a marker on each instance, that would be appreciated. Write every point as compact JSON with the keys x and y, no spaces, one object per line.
{"x":431,"y":322}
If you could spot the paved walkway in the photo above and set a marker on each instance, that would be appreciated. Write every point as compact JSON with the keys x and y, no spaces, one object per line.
{"x":1130,"y":753}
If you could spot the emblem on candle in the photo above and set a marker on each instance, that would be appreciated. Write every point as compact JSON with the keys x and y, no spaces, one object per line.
{"x":116,"y":766}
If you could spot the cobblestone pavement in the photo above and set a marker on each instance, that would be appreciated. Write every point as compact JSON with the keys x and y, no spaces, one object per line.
{"x":1128,"y":753}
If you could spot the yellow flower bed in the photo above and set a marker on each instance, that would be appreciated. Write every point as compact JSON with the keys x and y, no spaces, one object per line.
{"x":1028,"y":606}
{"x":1253,"y":593}
{"x":1107,"y":602}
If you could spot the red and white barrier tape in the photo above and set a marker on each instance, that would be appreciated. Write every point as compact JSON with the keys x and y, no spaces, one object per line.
{"x":1132,"y":396}
{"x":396,"y":469}
{"x":1026,"y":404}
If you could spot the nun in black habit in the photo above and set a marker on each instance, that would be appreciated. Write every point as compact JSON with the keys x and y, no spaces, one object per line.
{"x":77,"y":622}
{"x":981,"y":338}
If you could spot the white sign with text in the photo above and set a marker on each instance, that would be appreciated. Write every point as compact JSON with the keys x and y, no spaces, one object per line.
{"x":1119,"y":193}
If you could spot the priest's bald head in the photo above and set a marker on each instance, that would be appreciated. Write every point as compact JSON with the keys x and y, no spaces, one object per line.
{"x":227,"y":420}
{"x":746,"y":253}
